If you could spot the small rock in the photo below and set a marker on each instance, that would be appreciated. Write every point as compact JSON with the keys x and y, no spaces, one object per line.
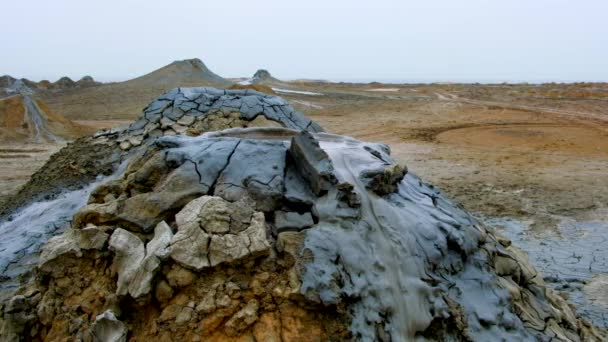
{"x":92,"y":238}
{"x":184,"y":316}
{"x":66,"y":243}
{"x":166,"y":123}
{"x":189,"y":247}
{"x":159,"y":245}
{"x":292,"y":220}
{"x":129,"y":250}
{"x":169,"y":132}
{"x":109,"y":329}
{"x":223,"y":301}
{"x":208,"y":303}
{"x":186,"y":120}
{"x":227,"y":248}
{"x":384,"y":181}
{"x":179,"y":129}
{"x":136,"y":140}
{"x":163,"y":292}
{"x":141,"y":283}
{"x":290,"y":242}
{"x":312,"y":162}
{"x":233,"y":290}
{"x":242,"y":319}
{"x":180,"y":277}
{"x":170,"y":312}
{"x":215,"y":216}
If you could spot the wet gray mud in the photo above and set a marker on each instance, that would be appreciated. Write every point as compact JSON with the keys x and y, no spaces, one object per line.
{"x":24,"y":233}
{"x":570,"y":258}
{"x":409,"y":262}
{"x":45,"y":205}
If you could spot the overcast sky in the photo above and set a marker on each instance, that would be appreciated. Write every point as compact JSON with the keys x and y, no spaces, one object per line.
{"x":433,"y":40}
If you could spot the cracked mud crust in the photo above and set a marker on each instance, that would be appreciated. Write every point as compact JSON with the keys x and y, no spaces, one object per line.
{"x":185,"y":244}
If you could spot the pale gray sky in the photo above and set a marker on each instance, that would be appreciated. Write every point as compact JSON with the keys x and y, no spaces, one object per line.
{"x":444,"y":40}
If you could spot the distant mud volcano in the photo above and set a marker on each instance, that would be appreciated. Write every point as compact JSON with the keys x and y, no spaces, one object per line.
{"x":233,"y":217}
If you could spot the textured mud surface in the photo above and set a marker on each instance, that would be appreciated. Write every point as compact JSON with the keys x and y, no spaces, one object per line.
{"x":302,"y":208}
{"x":572,"y":259}
{"x":276,"y":233}
{"x":190,"y":111}
{"x":46,"y":203}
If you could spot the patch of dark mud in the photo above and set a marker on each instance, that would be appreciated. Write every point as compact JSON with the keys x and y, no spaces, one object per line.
{"x":75,"y":165}
{"x":14,"y":156}
{"x":430,"y":134}
{"x":22,"y":150}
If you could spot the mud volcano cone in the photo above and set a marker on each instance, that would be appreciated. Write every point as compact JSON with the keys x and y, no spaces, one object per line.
{"x":276,"y":233}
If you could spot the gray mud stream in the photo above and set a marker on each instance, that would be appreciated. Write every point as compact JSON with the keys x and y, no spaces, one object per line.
{"x":24,"y":232}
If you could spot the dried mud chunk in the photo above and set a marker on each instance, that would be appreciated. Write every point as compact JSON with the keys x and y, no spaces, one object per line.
{"x":130,"y":252}
{"x":312,"y":162}
{"x":71,"y":242}
{"x":292,"y":221}
{"x":297,"y":189}
{"x":215,"y":216}
{"x":256,"y":169}
{"x":242,"y":319}
{"x":108,"y":328}
{"x":384,"y":181}
{"x":190,"y":247}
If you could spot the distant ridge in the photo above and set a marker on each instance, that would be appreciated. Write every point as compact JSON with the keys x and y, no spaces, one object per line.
{"x":7,"y":83}
{"x":124,"y":100}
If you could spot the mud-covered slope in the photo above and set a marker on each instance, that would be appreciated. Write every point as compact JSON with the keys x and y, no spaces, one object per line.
{"x":190,"y":111}
{"x":275,"y":233}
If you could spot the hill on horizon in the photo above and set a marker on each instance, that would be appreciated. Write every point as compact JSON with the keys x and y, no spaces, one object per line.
{"x":125,"y":100}
{"x":180,"y":72}
{"x":263,"y":76}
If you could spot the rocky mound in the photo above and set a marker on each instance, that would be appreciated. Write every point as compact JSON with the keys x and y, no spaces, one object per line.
{"x":281,"y":234}
{"x":263,"y":77}
{"x":87,"y":81}
{"x":6,"y":81}
{"x":65,"y":83}
{"x":189,"y":111}
{"x":270,"y":233}
{"x":19,"y":87}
